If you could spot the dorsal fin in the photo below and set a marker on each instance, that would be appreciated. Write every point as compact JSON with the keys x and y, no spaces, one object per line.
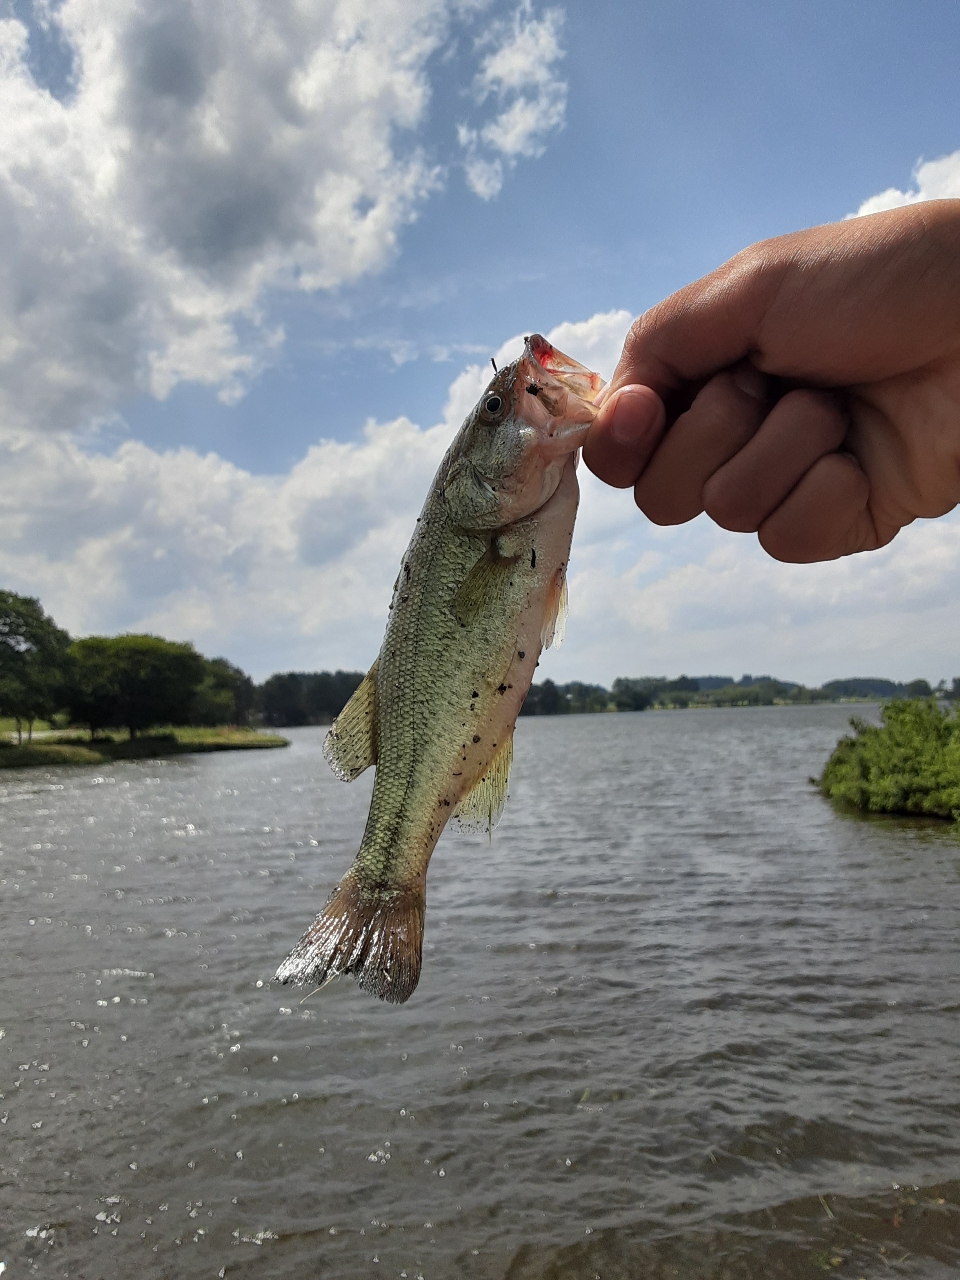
{"x":555,"y":614}
{"x":480,"y":808}
{"x":351,"y":745}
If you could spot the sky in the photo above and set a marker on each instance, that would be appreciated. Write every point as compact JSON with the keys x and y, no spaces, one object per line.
{"x":257,"y":256}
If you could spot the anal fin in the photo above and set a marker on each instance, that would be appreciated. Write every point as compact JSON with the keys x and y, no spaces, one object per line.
{"x":481,"y":807}
{"x":351,"y":745}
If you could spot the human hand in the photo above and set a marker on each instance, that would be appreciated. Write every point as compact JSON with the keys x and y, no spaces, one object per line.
{"x":808,"y":390}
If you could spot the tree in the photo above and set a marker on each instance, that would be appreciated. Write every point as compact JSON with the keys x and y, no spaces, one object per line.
{"x":632,"y":694}
{"x":281,"y":699}
{"x":132,"y":681}
{"x":918,"y":689}
{"x":306,"y":697}
{"x":583,"y":698}
{"x":224,"y":696}
{"x":32,"y":660}
{"x":544,"y":700}
{"x":326,"y":693}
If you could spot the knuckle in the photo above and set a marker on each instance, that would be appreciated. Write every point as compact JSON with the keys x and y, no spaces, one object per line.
{"x":819,"y":409}
{"x":666,"y":507}
{"x":727,"y":505}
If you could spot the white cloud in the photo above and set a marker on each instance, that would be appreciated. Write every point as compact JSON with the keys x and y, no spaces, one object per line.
{"x":295,"y":571}
{"x":519,"y":74}
{"x":697,"y":599}
{"x":933,"y":179}
{"x":273,"y":571}
{"x":201,"y":158}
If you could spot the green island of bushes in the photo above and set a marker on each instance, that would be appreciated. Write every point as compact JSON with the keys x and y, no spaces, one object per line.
{"x":909,"y":764}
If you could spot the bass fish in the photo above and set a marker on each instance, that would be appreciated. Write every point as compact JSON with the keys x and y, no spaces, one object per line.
{"x":481,"y":591}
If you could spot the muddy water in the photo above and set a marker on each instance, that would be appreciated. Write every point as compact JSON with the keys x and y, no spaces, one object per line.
{"x":680,"y":1018}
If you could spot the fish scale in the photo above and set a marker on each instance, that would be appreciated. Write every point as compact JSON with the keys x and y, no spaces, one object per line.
{"x":477,"y":597}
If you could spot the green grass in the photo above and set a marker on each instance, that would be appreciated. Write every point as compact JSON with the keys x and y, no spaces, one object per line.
{"x":72,"y":748}
{"x":8,"y":726}
{"x":40,"y":753}
{"x":909,"y":764}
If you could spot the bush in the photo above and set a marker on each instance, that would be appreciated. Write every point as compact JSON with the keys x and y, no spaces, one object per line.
{"x":909,"y":764}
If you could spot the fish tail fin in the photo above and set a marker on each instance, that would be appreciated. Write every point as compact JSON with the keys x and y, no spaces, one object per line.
{"x":372,"y":932}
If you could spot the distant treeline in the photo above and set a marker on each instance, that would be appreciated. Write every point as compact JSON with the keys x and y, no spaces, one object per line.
{"x":644,"y":692}
{"x":141,"y":681}
{"x":305,"y":697}
{"x":302,"y":697}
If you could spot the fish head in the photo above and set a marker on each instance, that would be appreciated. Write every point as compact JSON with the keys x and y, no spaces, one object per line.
{"x":509,"y":456}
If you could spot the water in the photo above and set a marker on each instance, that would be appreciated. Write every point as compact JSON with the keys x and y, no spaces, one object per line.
{"x":680,"y":1018}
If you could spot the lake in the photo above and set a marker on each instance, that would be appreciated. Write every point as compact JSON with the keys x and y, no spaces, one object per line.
{"x":679,"y":1018}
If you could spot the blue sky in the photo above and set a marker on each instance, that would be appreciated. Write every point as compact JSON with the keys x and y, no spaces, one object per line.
{"x":166,"y":384}
{"x":691,"y":130}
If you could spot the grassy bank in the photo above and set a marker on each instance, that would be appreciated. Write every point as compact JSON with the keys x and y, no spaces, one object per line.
{"x":909,"y":764}
{"x":72,"y":748}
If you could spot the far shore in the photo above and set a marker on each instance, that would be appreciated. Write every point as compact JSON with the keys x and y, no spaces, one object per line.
{"x":70,"y":747}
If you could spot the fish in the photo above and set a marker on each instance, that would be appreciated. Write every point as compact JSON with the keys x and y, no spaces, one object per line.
{"x":480,"y":592}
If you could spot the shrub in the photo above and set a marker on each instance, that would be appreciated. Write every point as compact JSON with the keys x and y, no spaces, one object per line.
{"x":908,"y":764}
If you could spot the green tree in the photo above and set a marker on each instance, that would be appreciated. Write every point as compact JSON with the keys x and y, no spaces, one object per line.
{"x":544,"y":700}
{"x":918,"y":689}
{"x":224,"y":696}
{"x":132,"y":681}
{"x":583,"y":698}
{"x":326,"y":693}
{"x":32,"y":660}
{"x":306,"y":697}
{"x":634,"y":694}
{"x":281,"y":700}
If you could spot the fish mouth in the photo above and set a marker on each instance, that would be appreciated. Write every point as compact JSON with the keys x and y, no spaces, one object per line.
{"x":583,"y":382}
{"x":564,"y":390}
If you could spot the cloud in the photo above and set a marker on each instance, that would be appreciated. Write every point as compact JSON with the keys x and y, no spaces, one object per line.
{"x":697,"y":599}
{"x":934,"y":180}
{"x":275,"y":571}
{"x":519,"y":75}
{"x":295,"y":571}
{"x":191,"y":162}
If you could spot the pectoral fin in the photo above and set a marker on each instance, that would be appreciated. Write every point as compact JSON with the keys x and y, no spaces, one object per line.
{"x":555,"y":614}
{"x":480,"y":808}
{"x":485,"y":586}
{"x":351,"y":745}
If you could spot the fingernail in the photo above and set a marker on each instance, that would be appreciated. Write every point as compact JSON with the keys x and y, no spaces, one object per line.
{"x":632,"y":415}
{"x":751,"y":381}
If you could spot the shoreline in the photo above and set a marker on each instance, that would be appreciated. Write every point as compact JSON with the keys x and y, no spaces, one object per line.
{"x":74,"y":750}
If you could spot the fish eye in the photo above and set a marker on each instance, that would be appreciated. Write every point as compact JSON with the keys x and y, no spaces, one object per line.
{"x":492,"y":406}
